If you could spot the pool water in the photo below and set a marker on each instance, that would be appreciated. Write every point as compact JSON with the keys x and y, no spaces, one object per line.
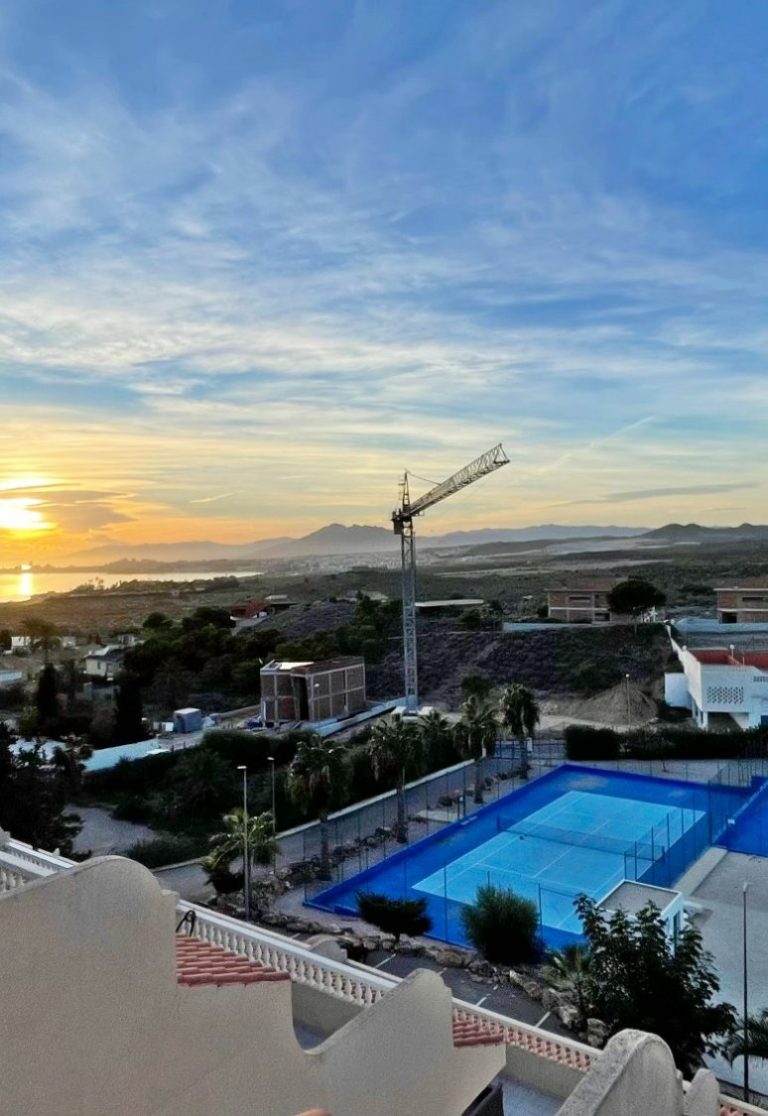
{"x":574,"y":831}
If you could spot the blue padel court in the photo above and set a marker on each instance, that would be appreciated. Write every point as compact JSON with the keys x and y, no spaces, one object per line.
{"x":575,"y":831}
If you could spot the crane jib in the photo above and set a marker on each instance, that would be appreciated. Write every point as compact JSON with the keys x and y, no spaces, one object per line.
{"x":402,"y":521}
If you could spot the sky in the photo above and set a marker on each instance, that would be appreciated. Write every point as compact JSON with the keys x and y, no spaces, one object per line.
{"x":259,"y":258}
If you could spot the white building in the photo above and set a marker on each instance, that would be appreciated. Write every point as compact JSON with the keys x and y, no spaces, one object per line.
{"x":720,"y":680}
{"x":104,"y":663}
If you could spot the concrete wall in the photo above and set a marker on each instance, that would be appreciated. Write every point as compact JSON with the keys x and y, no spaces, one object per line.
{"x":636,"y":1076}
{"x":418,"y":1054}
{"x":93,"y":1021}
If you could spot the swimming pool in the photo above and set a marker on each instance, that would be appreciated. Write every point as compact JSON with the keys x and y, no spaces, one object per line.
{"x":576,"y":830}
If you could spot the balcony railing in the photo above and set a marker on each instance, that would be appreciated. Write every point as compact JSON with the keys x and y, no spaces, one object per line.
{"x":354,"y":984}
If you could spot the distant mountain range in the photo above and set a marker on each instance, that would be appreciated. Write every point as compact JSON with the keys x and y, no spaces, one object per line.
{"x":694,"y":533}
{"x":335,"y":539}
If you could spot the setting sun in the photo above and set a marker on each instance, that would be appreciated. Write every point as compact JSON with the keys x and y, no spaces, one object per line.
{"x":19,"y":515}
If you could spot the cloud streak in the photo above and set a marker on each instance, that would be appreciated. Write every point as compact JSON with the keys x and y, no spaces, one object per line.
{"x":396,"y":240}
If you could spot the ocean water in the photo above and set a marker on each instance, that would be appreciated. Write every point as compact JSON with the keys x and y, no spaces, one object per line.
{"x":21,"y":586}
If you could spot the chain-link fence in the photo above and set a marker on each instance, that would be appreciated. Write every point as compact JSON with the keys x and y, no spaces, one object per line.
{"x":361,"y":836}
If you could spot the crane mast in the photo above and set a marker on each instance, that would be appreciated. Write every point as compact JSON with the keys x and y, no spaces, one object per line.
{"x":402,"y":521}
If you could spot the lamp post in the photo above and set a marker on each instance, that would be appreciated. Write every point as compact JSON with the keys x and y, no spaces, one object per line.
{"x":274,"y":809}
{"x":745,"y":1014}
{"x":629,"y":714}
{"x":246,"y":863}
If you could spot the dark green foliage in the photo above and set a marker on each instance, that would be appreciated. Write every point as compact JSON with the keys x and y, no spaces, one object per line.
{"x":157,"y":621}
{"x":129,"y":714}
{"x":166,"y":849}
{"x":638,"y":979}
{"x":669,"y":741}
{"x":46,"y":698}
{"x":202,"y":785}
{"x":394,"y":916}
{"x":33,"y":797}
{"x":207,"y":617}
{"x":5,"y":640}
{"x":585,"y":743}
{"x":221,"y":876}
{"x":476,"y":685}
{"x":635,"y":596}
{"x":252,"y":749}
{"x":502,"y":926}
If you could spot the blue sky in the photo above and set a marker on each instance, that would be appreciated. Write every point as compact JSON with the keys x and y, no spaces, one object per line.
{"x":265,"y":256}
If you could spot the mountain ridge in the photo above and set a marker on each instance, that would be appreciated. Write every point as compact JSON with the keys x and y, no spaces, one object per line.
{"x":334,"y":539}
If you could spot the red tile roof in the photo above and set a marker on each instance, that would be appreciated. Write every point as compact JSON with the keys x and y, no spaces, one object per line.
{"x":199,"y":962}
{"x":476,"y":1032}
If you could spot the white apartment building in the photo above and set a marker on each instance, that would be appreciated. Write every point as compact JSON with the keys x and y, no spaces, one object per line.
{"x":721,"y":680}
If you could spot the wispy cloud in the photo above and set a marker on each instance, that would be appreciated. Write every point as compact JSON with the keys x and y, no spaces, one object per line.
{"x":406,"y":237}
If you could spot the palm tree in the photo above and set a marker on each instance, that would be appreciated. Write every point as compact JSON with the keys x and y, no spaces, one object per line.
{"x":396,"y":746}
{"x":437,"y":739}
{"x":756,"y":1045}
{"x":262,"y":843}
{"x":477,"y":735}
{"x":569,"y":970}
{"x":520,"y":715}
{"x":43,"y":635}
{"x":317,"y":779}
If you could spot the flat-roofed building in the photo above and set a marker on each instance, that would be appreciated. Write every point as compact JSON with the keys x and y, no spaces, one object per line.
{"x":721,"y":680}
{"x":312,"y":691}
{"x":575,"y":604}
{"x":745,"y":602}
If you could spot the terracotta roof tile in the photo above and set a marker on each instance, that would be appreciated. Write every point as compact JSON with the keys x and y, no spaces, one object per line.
{"x":474,"y":1032}
{"x":200,"y":962}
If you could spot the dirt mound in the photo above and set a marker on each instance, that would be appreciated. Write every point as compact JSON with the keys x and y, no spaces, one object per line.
{"x":610,"y":706}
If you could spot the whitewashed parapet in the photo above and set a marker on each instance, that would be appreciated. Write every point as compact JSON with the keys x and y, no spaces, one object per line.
{"x":344,"y":982}
{"x":568,"y":1052}
{"x":19,"y":863}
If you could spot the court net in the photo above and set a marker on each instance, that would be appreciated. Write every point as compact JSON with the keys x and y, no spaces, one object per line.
{"x":644,"y":849}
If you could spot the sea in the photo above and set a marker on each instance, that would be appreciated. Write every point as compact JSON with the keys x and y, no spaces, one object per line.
{"x":20,"y":586}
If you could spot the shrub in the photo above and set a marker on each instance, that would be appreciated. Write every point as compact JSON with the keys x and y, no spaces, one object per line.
{"x":502,"y":926}
{"x":394,"y":916}
{"x":165,"y":849}
{"x":585,"y":743}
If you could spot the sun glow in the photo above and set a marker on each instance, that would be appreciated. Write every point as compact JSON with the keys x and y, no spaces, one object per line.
{"x":20,"y":516}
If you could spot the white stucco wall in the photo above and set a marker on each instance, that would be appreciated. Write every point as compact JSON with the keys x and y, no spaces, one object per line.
{"x":93,"y":1021}
{"x":636,"y":1076}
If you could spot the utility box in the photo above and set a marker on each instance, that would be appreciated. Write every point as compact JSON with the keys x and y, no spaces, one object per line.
{"x":187,"y":720}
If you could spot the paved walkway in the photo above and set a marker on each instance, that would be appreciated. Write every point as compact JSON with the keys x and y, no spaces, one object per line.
{"x":102,"y":834}
{"x":721,"y":924}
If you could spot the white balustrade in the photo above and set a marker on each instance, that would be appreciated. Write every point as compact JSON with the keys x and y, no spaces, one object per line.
{"x":358,"y":985}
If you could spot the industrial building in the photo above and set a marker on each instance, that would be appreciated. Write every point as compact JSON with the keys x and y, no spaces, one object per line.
{"x":312,"y":691}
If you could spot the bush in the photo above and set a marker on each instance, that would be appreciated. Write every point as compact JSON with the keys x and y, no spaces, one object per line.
{"x":165,"y":849}
{"x":502,"y":926}
{"x":585,"y":743}
{"x":394,"y":916}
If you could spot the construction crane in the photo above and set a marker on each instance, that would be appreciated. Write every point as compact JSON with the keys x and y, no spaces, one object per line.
{"x":402,"y":520}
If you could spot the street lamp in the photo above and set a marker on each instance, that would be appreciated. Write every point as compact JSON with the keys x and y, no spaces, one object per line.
{"x":629,"y":715}
{"x":246,"y":864}
{"x":274,"y":809}
{"x":745,"y":1014}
